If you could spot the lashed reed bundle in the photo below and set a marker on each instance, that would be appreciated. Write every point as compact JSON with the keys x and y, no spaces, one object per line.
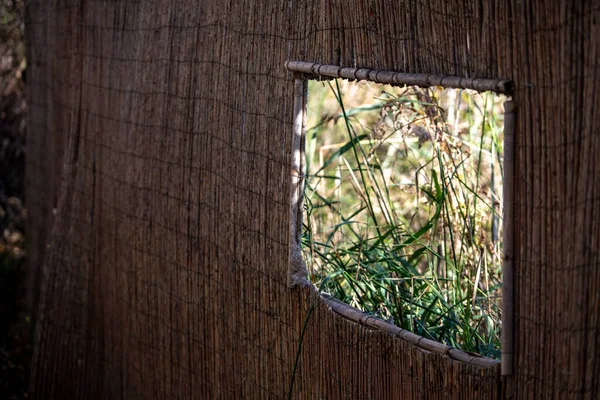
{"x":159,"y":174}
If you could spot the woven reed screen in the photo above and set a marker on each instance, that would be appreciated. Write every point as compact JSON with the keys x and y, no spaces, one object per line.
{"x":159,"y":196}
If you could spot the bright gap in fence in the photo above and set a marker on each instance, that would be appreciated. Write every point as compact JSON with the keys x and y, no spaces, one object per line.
{"x":403,"y":206}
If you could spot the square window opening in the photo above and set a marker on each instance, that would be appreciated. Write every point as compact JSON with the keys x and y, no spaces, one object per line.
{"x":401,"y":195}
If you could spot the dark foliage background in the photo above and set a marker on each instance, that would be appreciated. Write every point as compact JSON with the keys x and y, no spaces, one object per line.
{"x":15,"y":348}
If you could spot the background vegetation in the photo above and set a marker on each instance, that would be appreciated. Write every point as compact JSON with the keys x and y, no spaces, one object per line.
{"x":402,"y":206}
{"x":15,"y":349}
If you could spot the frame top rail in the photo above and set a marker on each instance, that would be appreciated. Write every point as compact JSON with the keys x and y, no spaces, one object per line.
{"x":401,"y":78}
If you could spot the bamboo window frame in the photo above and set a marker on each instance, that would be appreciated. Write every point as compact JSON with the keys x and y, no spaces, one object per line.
{"x":297,"y":271}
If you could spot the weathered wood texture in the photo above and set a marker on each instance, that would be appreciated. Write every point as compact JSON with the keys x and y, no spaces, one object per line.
{"x":162,"y":130}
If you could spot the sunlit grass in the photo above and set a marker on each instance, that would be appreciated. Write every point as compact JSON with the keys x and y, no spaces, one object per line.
{"x":402,"y":201}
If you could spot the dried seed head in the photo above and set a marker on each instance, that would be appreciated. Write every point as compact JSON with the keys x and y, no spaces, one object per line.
{"x":422,"y":133}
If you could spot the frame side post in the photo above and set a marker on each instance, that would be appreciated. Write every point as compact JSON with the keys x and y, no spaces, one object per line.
{"x":508,"y":240}
{"x":297,"y":272}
